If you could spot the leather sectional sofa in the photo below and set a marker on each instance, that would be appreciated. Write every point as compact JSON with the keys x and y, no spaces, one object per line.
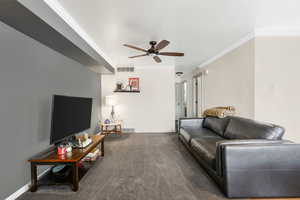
{"x":246,"y":158}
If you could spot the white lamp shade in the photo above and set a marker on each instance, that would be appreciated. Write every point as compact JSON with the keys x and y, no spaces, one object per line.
{"x":110,"y":100}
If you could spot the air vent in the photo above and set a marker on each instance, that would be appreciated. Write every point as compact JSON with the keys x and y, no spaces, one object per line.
{"x":125,"y":69}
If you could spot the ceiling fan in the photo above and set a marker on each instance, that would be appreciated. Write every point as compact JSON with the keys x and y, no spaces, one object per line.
{"x":155,"y":50}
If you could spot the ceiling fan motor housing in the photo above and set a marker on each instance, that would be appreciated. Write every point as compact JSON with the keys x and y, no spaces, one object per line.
{"x":152,"y":49}
{"x":153,"y":43}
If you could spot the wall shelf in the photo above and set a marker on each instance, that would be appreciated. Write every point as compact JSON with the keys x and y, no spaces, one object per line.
{"x":127,"y":91}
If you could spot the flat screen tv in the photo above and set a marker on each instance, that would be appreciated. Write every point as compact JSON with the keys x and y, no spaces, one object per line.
{"x":70,"y":115}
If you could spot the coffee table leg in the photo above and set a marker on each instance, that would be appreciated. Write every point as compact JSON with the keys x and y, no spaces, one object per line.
{"x":102,"y":147}
{"x":75,"y":177}
{"x":33,"y":187}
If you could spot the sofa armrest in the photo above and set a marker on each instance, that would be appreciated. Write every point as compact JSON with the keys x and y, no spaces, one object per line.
{"x":250,"y":141}
{"x":222,"y":144}
{"x":190,"y":122}
{"x":261,"y":169}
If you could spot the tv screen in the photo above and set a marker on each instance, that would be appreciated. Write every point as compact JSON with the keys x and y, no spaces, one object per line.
{"x":70,"y":115}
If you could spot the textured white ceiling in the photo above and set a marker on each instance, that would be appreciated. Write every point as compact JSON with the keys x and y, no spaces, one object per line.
{"x":279,"y":14}
{"x":199,"y":28}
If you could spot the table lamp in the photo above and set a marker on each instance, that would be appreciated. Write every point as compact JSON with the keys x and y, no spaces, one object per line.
{"x":111,"y":101}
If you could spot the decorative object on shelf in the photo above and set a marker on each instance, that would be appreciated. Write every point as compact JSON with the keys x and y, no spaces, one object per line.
{"x":86,"y":136}
{"x":64,"y":148}
{"x":134,"y":84}
{"x":119,"y":86}
{"x":107,"y":121}
{"x":127,"y":88}
{"x":61,"y":150}
{"x":84,"y":141}
{"x":111,"y":101}
{"x":92,"y":156}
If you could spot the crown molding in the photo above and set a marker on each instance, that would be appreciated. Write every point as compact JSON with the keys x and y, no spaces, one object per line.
{"x":258,"y":32}
{"x":232,"y":47}
{"x":61,"y":11}
{"x":277,"y":31}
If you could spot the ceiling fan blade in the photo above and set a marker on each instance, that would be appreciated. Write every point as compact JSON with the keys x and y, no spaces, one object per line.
{"x":171,"y":54}
{"x":162,"y":44}
{"x":157,"y":59}
{"x":138,"y":56}
{"x":136,"y":48}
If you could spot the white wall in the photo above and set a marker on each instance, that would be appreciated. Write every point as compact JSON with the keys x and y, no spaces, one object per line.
{"x":230,"y":81}
{"x":152,"y":110}
{"x":277,"y":69}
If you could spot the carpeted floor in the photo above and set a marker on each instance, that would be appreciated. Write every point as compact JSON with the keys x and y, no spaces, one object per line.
{"x":140,"y":167}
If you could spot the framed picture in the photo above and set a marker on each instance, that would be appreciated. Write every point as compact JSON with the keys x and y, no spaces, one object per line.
{"x":134,"y":83}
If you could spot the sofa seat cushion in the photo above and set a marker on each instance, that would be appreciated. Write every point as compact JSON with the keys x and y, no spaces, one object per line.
{"x":189,"y":133}
{"x":206,"y":149}
{"x":218,"y":125}
{"x":241,"y":128}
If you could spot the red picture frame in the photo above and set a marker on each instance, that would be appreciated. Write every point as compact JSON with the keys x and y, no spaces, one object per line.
{"x":134,"y":83}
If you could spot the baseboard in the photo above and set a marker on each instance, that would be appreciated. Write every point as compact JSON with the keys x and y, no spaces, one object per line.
{"x":25,"y":188}
{"x":155,"y":132}
{"x":128,"y":130}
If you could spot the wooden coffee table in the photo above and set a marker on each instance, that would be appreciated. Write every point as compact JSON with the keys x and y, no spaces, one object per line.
{"x":52,"y":158}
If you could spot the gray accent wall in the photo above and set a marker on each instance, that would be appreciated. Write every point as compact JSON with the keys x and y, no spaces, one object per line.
{"x":30,"y":73}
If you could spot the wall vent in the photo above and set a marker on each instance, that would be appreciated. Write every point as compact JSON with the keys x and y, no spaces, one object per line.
{"x":125,"y":69}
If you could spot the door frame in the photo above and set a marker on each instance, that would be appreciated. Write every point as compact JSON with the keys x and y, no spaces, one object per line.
{"x":198,"y":95}
{"x":183,"y":87}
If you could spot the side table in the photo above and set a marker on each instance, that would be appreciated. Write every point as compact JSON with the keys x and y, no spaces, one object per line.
{"x":107,"y":129}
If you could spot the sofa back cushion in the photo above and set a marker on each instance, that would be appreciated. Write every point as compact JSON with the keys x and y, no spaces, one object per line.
{"x":217,"y":125}
{"x":242,"y":128}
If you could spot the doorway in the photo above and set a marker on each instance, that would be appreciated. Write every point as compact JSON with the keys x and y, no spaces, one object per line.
{"x":180,"y":102}
{"x":181,"y":99}
{"x":198,"y":96}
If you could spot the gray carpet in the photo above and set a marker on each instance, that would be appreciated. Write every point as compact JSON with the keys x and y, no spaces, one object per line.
{"x":141,"y":167}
